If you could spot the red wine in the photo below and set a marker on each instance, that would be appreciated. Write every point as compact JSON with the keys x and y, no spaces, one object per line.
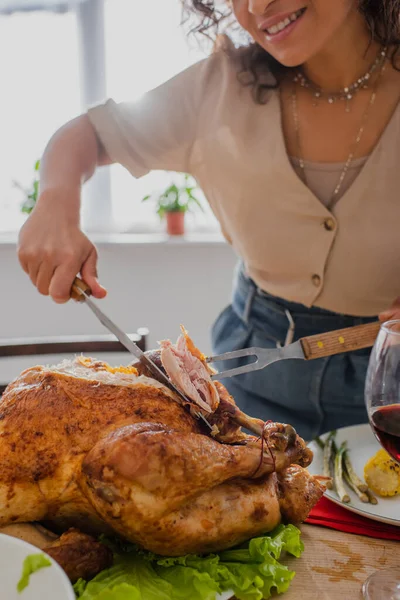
{"x":385,"y":422}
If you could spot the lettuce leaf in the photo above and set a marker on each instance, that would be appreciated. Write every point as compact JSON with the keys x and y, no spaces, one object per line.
{"x":251,"y":571}
{"x":32,"y":563}
{"x":130,"y":577}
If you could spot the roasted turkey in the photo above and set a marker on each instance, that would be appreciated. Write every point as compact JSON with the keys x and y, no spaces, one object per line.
{"x":113,"y":450}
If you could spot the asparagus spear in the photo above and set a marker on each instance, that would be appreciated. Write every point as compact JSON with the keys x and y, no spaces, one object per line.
{"x":338,"y":474}
{"x":352,"y":474}
{"x":371,"y":497}
{"x":363,"y":497}
{"x":319,"y":442}
{"x":349,"y":474}
{"x":328,"y":457}
{"x":326,"y":479}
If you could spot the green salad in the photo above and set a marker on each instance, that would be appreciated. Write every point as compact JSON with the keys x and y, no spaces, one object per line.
{"x":252,"y":571}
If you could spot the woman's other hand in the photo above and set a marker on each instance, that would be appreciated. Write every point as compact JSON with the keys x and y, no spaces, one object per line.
{"x":391,"y":313}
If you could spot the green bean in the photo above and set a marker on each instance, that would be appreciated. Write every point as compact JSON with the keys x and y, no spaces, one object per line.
{"x":338,"y":475}
{"x":361,"y":485}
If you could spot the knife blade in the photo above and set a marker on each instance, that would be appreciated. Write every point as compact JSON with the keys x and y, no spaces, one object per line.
{"x":81,"y":293}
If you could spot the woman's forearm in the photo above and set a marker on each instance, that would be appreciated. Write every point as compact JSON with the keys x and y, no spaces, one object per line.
{"x":70,"y":158}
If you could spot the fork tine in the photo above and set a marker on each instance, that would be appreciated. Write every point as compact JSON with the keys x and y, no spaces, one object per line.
{"x":254,"y":366}
{"x":245,"y":352}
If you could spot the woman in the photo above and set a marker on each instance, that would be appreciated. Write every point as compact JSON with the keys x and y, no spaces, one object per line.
{"x":295,"y":140}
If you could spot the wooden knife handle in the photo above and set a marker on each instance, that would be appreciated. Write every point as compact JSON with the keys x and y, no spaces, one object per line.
{"x":341,"y":340}
{"x":77,"y":286}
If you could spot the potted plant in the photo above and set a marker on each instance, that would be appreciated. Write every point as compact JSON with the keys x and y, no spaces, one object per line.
{"x":31,"y":194}
{"x":174,"y":202}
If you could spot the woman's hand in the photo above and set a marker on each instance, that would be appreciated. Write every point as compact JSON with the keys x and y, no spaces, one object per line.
{"x":52,"y":249}
{"x":391,"y":313}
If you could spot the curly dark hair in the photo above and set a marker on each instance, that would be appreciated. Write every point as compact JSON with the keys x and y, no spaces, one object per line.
{"x":382,"y":17}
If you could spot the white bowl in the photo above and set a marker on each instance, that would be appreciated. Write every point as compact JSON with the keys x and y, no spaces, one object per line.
{"x":42,"y":585}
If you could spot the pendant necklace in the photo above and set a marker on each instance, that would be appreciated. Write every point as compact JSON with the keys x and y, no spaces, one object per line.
{"x":347,"y":93}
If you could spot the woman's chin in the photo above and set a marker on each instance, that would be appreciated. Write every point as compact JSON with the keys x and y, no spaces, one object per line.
{"x":289,"y":57}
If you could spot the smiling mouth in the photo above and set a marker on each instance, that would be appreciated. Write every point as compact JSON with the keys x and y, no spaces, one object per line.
{"x":274,"y":29}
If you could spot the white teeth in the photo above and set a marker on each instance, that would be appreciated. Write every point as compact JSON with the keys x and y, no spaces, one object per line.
{"x":282,"y":24}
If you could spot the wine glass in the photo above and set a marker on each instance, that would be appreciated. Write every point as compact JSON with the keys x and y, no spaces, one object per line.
{"x":382,"y":397}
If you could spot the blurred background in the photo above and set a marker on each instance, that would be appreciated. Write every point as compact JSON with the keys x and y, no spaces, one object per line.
{"x":58,"y":59}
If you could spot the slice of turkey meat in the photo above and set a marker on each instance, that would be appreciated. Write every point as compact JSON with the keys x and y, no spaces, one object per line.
{"x":189,"y":374}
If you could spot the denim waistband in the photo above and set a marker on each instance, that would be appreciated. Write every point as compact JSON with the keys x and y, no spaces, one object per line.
{"x":252,"y":304}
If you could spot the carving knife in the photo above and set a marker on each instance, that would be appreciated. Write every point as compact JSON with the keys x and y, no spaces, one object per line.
{"x":81,"y":293}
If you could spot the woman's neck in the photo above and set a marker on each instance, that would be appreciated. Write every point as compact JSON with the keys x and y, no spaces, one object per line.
{"x":345,"y":59}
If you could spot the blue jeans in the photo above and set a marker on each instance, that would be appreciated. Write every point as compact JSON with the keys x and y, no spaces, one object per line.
{"x":314,"y":396}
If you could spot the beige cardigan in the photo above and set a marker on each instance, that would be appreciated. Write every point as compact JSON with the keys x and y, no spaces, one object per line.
{"x":205,"y":123}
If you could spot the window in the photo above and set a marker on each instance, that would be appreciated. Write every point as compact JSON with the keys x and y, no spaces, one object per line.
{"x":41,"y":90}
{"x":155,"y":48}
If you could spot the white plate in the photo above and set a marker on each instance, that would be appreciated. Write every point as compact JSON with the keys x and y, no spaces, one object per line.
{"x":41,"y":584}
{"x":225,"y":596}
{"x":362,"y":444}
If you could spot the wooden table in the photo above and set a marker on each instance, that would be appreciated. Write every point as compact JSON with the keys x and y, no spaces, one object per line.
{"x":335,"y":564}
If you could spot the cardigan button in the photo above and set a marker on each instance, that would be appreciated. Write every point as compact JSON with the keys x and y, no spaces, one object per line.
{"x":316,"y":279}
{"x":329,"y":224}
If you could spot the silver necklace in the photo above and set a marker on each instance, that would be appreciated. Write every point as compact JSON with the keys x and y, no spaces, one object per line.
{"x":348,"y":92}
{"x":354,"y":145}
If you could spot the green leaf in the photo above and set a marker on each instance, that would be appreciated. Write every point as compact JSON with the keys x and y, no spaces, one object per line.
{"x":31,"y":195}
{"x":190,"y":583}
{"x":123,"y":591}
{"x":32,"y":564}
{"x":79,"y":587}
{"x":27,"y":209}
{"x":283,"y":538}
{"x":131,"y":574}
{"x":252,"y":571}
{"x":161,"y":211}
{"x":196,"y":201}
{"x":176,"y":198}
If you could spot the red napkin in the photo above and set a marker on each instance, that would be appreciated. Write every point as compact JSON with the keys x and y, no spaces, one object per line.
{"x":329,"y":514}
